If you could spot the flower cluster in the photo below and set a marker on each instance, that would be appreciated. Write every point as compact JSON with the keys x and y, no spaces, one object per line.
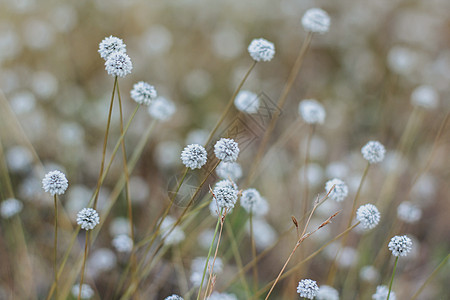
{"x":174,"y":297}
{"x":86,"y":291}
{"x":327,"y":292}
{"x":382,"y":293}
{"x":316,"y":20}
{"x":247,"y":102}
{"x":88,"y":218}
{"x":226,"y":150}
{"x":161,"y":109}
{"x":10,"y":207}
{"x":226,"y":194}
{"x":261,"y":50}
{"x":340,"y":190}
{"x":368,"y":215}
{"x":231,"y":170}
{"x":253,"y":203}
{"x":143,"y":93}
{"x":114,"y":52}
{"x":400,"y":245}
{"x":307,"y":288}
{"x":110,"y":45}
{"x":194,"y":156}
{"x":55,"y":183}
{"x":311,"y":111}
{"x":373,"y":152}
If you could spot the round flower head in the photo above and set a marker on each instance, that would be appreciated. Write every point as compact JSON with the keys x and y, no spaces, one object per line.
{"x":174,"y":297}
{"x":311,"y":111}
{"x":118,"y":64}
{"x":382,"y":293}
{"x":226,"y":194}
{"x":250,"y":199}
{"x":171,"y":236}
{"x":10,"y":207}
{"x":109,"y":45}
{"x":247,"y":102}
{"x":122,"y":243}
{"x":369,"y":274}
{"x":226,"y":150}
{"x":230,"y":170}
{"x":425,"y":96}
{"x":327,"y":292}
{"x":87,"y":218}
{"x":400,"y":245}
{"x":194,"y":156}
{"x":86,"y":291}
{"x":161,"y":109}
{"x":316,"y":20}
{"x":261,"y":50}
{"x":307,"y":288}
{"x":55,"y":183}
{"x":340,"y":190}
{"x":368,"y":215}
{"x":373,"y":152}
{"x":143,"y":93}
{"x":408,"y":212}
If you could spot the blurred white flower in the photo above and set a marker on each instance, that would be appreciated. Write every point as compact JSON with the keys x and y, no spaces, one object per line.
{"x":261,"y":49}
{"x":110,"y":45}
{"x":382,"y":293}
{"x":161,"y":109}
{"x":10,"y":207}
{"x":226,"y":150}
{"x":327,"y":292}
{"x":122,"y":243}
{"x":86,"y":291}
{"x":340,"y":190}
{"x":229,"y":170}
{"x":118,"y":64}
{"x":373,"y":152}
{"x":247,"y":102}
{"x":263,"y":233}
{"x":143,"y":93}
{"x":408,"y":212}
{"x":425,"y":96}
{"x":316,"y":20}
{"x":311,"y":111}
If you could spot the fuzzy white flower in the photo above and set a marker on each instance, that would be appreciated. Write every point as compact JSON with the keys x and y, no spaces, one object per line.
{"x":226,"y":194}
{"x":373,"y":152}
{"x":263,"y":233}
{"x":174,"y":297}
{"x":122,"y":243}
{"x":250,"y":200}
{"x":171,"y":236}
{"x":316,"y":20}
{"x":161,"y":109}
{"x":222,"y":296}
{"x":194,"y":156}
{"x":10,"y":207}
{"x":226,"y":150}
{"x":55,"y":183}
{"x":400,"y":245}
{"x":231,"y":170}
{"x":86,"y":291}
{"x":118,"y":64}
{"x":247,"y":102}
{"x":88,"y":218}
{"x":311,"y":111}
{"x":110,"y":45}
{"x":340,"y":190}
{"x":261,"y":50}
{"x":382,"y":293}
{"x":327,"y":292}
{"x":369,"y":274}
{"x":408,"y":212}
{"x":425,"y":96}
{"x":214,"y":209}
{"x":143,"y":93}
{"x":307,"y":288}
{"x":368,"y":215}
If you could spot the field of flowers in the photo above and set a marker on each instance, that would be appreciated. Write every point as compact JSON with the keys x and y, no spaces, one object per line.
{"x":190,"y":149}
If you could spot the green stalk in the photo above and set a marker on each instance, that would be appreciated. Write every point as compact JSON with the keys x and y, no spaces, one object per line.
{"x":55,"y":244}
{"x":442,"y":264}
{"x":392,"y":278}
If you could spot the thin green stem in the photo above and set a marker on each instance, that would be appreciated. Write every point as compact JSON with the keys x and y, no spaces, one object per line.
{"x":435,"y":271}
{"x":55,"y":245}
{"x":105,"y":142}
{"x":86,"y":244}
{"x":255,"y":266}
{"x":392,"y":278}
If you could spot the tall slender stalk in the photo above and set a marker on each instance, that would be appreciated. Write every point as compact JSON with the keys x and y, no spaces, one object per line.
{"x":86,"y":244}
{"x":252,"y":240}
{"x":392,"y":278}
{"x":55,"y":245}
{"x":435,"y":271}
{"x":305,"y":171}
{"x":105,"y":142}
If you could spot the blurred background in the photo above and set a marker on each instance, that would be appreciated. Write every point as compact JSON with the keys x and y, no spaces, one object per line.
{"x":54,"y":102}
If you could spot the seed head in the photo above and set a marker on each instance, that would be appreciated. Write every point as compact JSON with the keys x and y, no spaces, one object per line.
{"x":55,"y":183}
{"x":194,"y":156}
{"x":340,"y":190}
{"x":110,"y":45}
{"x":87,"y":218}
{"x":316,"y":20}
{"x":368,"y":215}
{"x":143,"y":93}
{"x":161,"y":109}
{"x":382,"y":293}
{"x":261,"y":50}
{"x":118,"y":64}
{"x":373,"y":152}
{"x":400,"y":245}
{"x":311,"y":111}
{"x":247,"y":102}
{"x":226,"y":150}
{"x":307,"y":288}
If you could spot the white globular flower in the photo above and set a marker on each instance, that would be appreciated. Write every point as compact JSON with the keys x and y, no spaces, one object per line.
{"x":231,"y":170}
{"x":261,"y":50}
{"x":226,"y":194}
{"x":55,"y":183}
{"x":327,"y":292}
{"x":247,"y":102}
{"x":382,"y":293}
{"x":311,"y":111}
{"x":400,"y":245}
{"x":110,"y":45}
{"x":194,"y":156}
{"x":10,"y":207}
{"x":340,"y":190}
{"x":222,"y":296}
{"x":122,"y":243}
{"x":369,"y":274}
{"x":86,"y":291}
{"x":373,"y":152}
{"x":425,"y":96}
{"x":316,"y":20}
{"x":143,"y":93}
{"x":250,"y":199}
{"x":226,"y":150}
{"x":307,"y":288}
{"x":409,"y":212}
{"x":88,"y":218}
{"x":368,"y":215}
{"x":174,"y":297}
{"x":118,"y":64}
{"x":162,"y":109}
{"x":172,"y":235}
